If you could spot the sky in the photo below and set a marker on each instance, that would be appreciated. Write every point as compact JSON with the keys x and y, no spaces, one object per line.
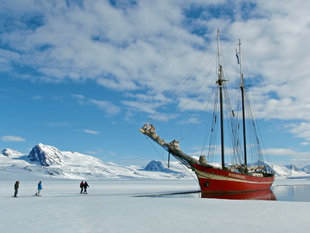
{"x":86,"y":75}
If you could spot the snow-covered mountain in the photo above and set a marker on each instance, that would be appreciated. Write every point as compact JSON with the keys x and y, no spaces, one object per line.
{"x":156,"y":166}
{"x":288,"y":171}
{"x":306,"y":169}
{"x":44,"y":160}
{"x":11,"y":153}
{"x":46,"y":155}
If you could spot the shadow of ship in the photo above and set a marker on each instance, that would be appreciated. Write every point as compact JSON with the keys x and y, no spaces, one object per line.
{"x":253,"y":195}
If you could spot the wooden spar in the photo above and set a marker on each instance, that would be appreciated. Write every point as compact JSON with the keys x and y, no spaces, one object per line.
{"x":243,"y":105}
{"x":172,"y":147}
{"x":168,"y":159}
{"x":220,"y":82}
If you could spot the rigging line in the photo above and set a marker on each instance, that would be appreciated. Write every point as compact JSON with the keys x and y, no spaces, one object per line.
{"x":233,"y":127}
{"x":209,"y":129}
{"x":205,"y":80}
{"x":252,"y":152}
{"x":260,"y":133}
{"x":255,"y":154}
{"x":191,"y":74}
{"x":186,"y":103}
{"x":214,"y":130}
{"x":257,"y":130}
{"x":196,"y":124}
{"x":188,"y":77}
{"x":186,"y":169}
{"x":161,"y":157}
{"x":260,"y":155}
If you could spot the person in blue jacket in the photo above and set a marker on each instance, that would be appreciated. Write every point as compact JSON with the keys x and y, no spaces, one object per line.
{"x":39,"y":188}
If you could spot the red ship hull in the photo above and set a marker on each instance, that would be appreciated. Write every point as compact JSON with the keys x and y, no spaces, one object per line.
{"x":218,"y":180}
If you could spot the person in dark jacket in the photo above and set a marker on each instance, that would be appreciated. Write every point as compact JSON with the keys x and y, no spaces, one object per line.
{"x":16,"y":186}
{"x":85,"y":187}
{"x":82,"y":186}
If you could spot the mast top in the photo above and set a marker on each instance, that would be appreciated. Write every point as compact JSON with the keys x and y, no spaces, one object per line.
{"x":220,"y":79}
{"x":239,"y":57}
{"x":218,"y":48}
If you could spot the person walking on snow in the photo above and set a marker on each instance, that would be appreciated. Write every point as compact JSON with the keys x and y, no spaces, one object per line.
{"x":39,"y":188}
{"x":16,"y":186}
{"x":82,"y":186}
{"x":85,"y":187}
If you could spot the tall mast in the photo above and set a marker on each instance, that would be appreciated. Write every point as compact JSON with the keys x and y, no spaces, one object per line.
{"x":243,"y":105}
{"x":220,"y":82}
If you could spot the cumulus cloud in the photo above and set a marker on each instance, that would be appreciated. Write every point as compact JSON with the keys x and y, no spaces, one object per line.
{"x":301,"y":130}
{"x":150,"y":47}
{"x":12,"y":139}
{"x":103,"y":105}
{"x":286,"y":152}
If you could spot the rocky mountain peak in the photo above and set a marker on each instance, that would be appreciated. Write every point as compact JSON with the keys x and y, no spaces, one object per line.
{"x":155,"y":166}
{"x":46,"y":155}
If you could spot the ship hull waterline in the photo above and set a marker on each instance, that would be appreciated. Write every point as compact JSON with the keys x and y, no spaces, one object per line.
{"x":214,"y":180}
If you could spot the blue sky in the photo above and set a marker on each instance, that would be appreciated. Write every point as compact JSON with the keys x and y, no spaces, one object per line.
{"x":85,"y":75}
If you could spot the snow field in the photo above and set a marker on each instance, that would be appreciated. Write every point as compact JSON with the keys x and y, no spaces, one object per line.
{"x":111,"y":207}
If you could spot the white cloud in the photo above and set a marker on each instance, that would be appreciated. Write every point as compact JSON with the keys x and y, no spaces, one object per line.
{"x":90,"y":131}
{"x":79,"y":97}
{"x":37,"y":97}
{"x":12,"y":139}
{"x":305,"y":143}
{"x":144,"y":44}
{"x":286,"y":152}
{"x":150,"y":103}
{"x":191,"y":120}
{"x":104,"y":105}
{"x":149,"y":47}
{"x":301,"y":130}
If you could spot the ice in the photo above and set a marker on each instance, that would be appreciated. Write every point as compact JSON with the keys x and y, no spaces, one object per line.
{"x":111,"y":206}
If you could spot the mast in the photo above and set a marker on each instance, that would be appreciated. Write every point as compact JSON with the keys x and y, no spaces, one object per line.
{"x":220,"y":82}
{"x":243,"y":105}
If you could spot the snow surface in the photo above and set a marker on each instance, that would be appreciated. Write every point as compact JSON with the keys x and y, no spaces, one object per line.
{"x":111,"y":206}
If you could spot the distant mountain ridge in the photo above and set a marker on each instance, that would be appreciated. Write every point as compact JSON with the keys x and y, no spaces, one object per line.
{"x":289,"y":171}
{"x":10,"y":153}
{"x":44,"y":160}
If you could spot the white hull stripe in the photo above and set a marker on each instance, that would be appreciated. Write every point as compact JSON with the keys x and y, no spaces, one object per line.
{"x":201,"y":174}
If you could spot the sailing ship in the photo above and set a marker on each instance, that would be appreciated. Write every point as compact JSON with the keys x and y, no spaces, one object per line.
{"x":227,"y":178}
